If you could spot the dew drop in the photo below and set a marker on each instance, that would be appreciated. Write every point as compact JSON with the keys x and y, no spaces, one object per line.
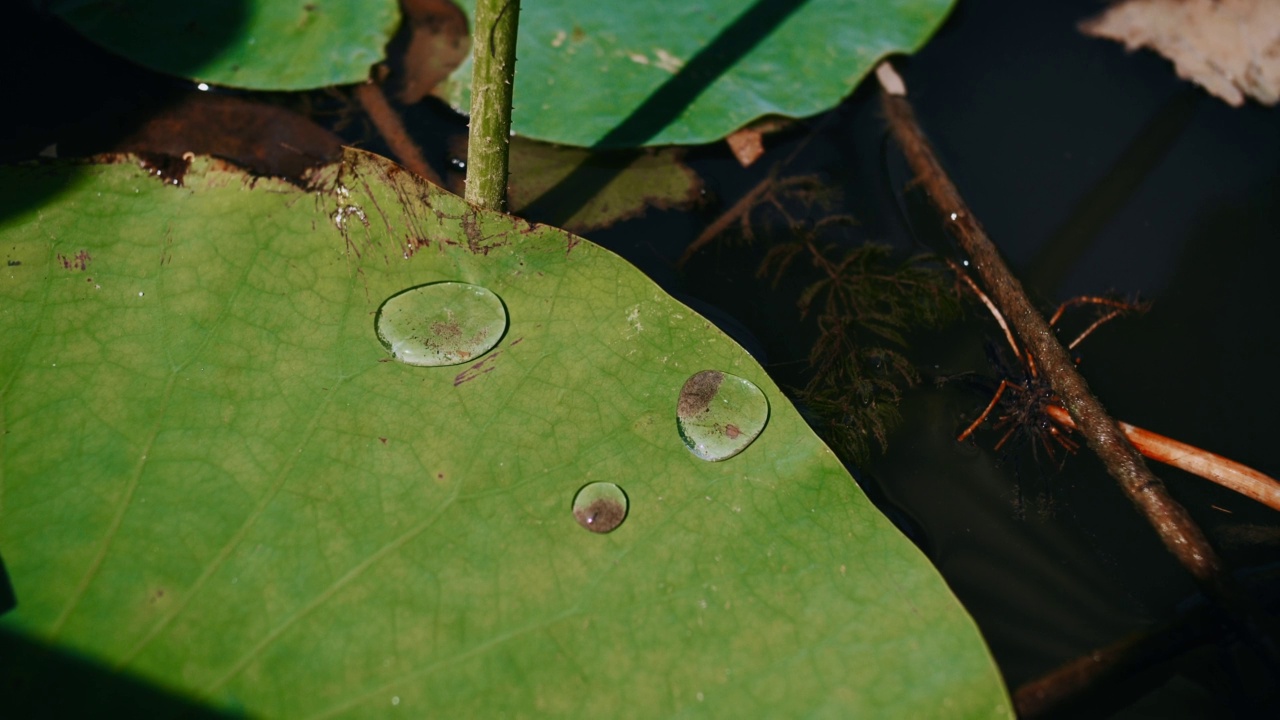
{"x":719,"y":414}
{"x":442,"y":323}
{"x":600,"y":507}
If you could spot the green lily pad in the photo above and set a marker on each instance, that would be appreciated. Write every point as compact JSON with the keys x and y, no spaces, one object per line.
{"x":603,"y":74}
{"x":217,"y":480}
{"x":252,"y":44}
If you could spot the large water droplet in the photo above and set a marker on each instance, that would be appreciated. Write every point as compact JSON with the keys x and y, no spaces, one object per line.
{"x":443,"y":323}
{"x":600,"y":506}
{"x":719,"y":414}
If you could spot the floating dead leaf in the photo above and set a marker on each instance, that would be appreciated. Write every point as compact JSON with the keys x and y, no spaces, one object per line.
{"x":263,"y":138}
{"x":433,"y":42}
{"x":747,"y":143}
{"x":1230,"y":47}
{"x":626,"y":182}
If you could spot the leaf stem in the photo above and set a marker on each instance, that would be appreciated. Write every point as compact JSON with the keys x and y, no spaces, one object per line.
{"x":492,"y":80}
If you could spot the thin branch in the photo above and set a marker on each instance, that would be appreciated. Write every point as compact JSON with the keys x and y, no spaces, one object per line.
{"x":1197,"y":625}
{"x":991,"y":307}
{"x":730,"y":216}
{"x":1181,"y":536}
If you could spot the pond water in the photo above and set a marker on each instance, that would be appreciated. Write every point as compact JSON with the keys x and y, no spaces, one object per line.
{"x":1093,"y":170}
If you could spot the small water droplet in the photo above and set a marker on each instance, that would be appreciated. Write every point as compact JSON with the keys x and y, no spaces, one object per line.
{"x":719,"y":414}
{"x":443,"y":323}
{"x":600,"y":506}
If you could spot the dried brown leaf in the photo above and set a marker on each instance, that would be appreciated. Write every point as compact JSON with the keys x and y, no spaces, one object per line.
{"x":747,"y":145}
{"x":439,"y":41}
{"x":264,"y":138}
{"x":1229,"y":47}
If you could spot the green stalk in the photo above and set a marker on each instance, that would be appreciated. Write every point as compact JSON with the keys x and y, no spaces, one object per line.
{"x":493,"y":48}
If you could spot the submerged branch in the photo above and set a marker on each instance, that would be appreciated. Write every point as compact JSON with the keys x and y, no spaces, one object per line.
{"x":389,"y":125}
{"x":732,"y":215}
{"x":1179,"y":533}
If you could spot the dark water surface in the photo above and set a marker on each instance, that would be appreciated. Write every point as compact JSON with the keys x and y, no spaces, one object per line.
{"x":1093,"y":171}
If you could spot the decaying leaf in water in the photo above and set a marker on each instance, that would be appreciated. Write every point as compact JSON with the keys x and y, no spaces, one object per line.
{"x":621,"y":183}
{"x":437,"y":41}
{"x":263,"y":138}
{"x":1230,"y":47}
{"x":747,"y":143}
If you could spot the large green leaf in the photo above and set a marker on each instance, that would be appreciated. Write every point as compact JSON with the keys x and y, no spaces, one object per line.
{"x":254,"y":44}
{"x":217,"y":480}
{"x":613,"y":74}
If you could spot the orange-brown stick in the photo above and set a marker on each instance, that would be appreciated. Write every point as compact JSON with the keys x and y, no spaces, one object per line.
{"x":1227,"y":473}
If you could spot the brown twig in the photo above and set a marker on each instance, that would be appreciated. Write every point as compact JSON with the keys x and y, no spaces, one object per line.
{"x":1212,"y":467}
{"x":1179,"y":533}
{"x":1142,"y":652}
{"x":1223,"y":471}
{"x":388,"y":123}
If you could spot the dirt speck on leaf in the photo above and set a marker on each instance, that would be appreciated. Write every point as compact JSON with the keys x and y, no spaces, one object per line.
{"x":698,"y":392}
{"x":79,"y":261}
{"x":169,"y":169}
{"x":601,"y":515}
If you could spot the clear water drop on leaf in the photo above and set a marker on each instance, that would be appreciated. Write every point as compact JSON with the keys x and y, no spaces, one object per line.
{"x":600,"y":506}
{"x":719,"y":414}
{"x":442,"y":323}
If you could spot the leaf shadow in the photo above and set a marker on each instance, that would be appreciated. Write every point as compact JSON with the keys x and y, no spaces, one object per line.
{"x":8,"y":600}
{"x":42,"y":680}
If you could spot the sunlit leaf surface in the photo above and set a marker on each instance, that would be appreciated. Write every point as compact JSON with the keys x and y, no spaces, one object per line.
{"x":594,"y":73}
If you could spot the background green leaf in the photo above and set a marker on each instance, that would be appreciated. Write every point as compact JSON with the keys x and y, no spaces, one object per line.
{"x":215,"y":478}
{"x":252,"y":44}
{"x":606,"y":74}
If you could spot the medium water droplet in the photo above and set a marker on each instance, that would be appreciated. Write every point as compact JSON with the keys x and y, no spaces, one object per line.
{"x":600,"y":506}
{"x":719,"y":414}
{"x":443,"y":323}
